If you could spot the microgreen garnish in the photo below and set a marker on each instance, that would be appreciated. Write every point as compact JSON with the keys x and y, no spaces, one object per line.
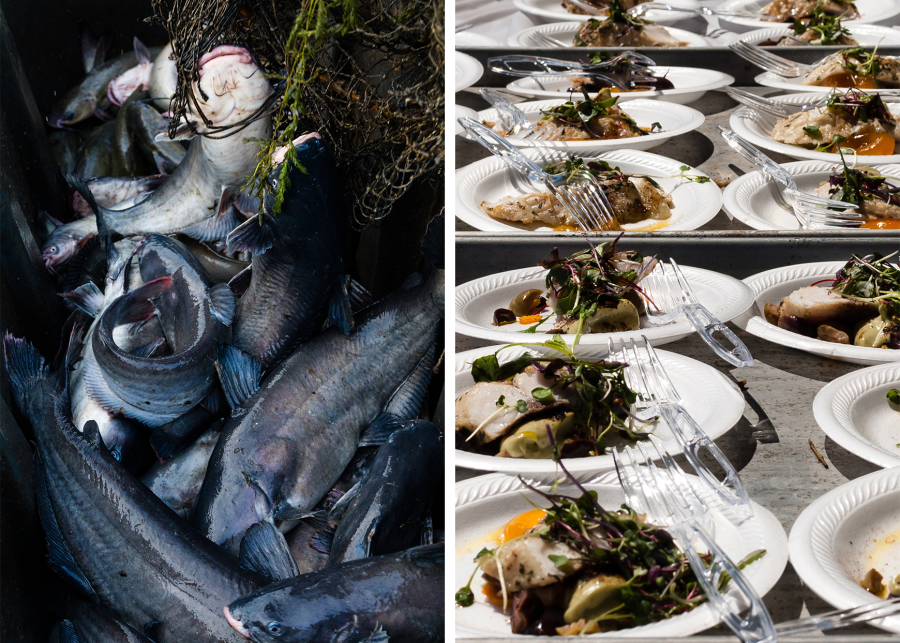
{"x":585,"y":114}
{"x":854,"y":185}
{"x":813,"y":131}
{"x":827,"y":28}
{"x":858,"y":61}
{"x":871,"y":278}
{"x":696,"y":178}
{"x":859,"y":105}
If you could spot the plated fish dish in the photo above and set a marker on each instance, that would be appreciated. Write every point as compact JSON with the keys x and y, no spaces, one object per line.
{"x":622,"y":30}
{"x":600,"y":5}
{"x":877,"y":196}
{"x":855,"y":67}
{"x":791,"y":10}
{"x":819,"y":28}
{"x":854,"y":122}
{"x":860,"y":307}
{"x":636,"y":77}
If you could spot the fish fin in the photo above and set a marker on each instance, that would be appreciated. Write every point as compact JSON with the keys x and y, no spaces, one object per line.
{"x":88,"y":50}
{"x":380,"y":430}
{"x":86,"y":297}
{"x":339,"y":311}
{"x":58,"y":554}
{"x":212,"y":401}
{"x":433,"y":242}
{"x":103,"y":115}
{"x":264,"y":550}
{"x":148,"y":350}
{"x":252,"y":236}
{"x":182,"y":133}
{"x":331,"y":499}
{"x":215,"y":227}
{"x":136,"y":306}
{"x":245,"y":203}
{"x":89,"y":265}
{"x":91,"y":432}
{"x":221,"y":303}
{"x":412,"y":281}
{"x":316,"y":518}
{"x":239,"y":373}
{"x":360,"y":297}
{"x":379,"y":635}
{"x":73,"y":350}
{"x":143,"y":55}
{"x":164,"y":444}
{"x":241,"y":281}
{"x":85,"y":192}
{"x":66,"y":632}
{"x":25,"y":366}
{"x":406,"y":401}
{"x":340,"y":507}
{"x":322,"y":540}
{"x":427,"y":535}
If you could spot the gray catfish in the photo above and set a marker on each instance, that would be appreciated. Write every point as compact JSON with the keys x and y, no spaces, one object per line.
{"x":297,"y":280}
{"x":108,"y":534}
{"x":393,"y":505}
{"x":177,"y":482}
{"x":397,"y":598}
{"x":88,"y":623}
{"x":194,"y":315}
{"x":291,"y":439}
{"x":145,"y":124}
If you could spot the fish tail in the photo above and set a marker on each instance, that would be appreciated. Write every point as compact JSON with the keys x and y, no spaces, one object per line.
{"x":25,"y":366}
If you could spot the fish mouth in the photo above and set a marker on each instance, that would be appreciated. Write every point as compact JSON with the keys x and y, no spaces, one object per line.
{"x":222,"y":51}
{"x":236,"y":624}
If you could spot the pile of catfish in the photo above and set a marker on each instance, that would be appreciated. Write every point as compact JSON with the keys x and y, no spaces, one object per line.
{"x":228,"y":443}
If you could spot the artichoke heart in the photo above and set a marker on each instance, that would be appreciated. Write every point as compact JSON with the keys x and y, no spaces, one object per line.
{"x":873,"y":332}
{"x":594,"y":597}
{"x":531,"y":441}
{"x":614,"y":320}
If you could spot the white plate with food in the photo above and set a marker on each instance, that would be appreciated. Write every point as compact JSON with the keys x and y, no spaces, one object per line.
{"x":856,"y":412}
{"x":490,"y":181}
{"x":843,"y":535}
{"x":557,"y":10}
{"x":865,"y":35}
{"x":869,"y":11}
{"x":758,"y":129}
{"x":671,"y":121}
{"x":566,"y":32}
{"x":759,"y":202}
{"x":690,"y":85}
{"x":492,"y":507}
{"x":712,"y":399}
{"x":478,"y":301}
{"x":468,"y":71}
{"x":772,"y":286}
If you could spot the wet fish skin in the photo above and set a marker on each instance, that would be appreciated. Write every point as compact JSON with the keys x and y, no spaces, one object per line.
{"x":109,"y":191}
{"x":83,"y":99}
{"x":295,"y":436}
{"x":177,"y":481}
{"x":396,"y":497}
{"x":145,"y":123}
{"x":156,"y":391}
{"x":400,"y":594}
{"x":125,"y":149}
{"x":140,"y":559}
{"x":294,"y":282}
{"x":221,"y":269}
{"x":65,"y":145}
{"x":95,"y":158}
{"x":65,"y":241}
{"x":91,"y":623}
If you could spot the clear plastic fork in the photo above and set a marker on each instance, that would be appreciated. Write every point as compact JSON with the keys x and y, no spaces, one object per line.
{"x":646,"y":376}
{"x":542,"y":66}
{"x":669,"y":500}
{"x":522,"y":128}
{"x":772,"y":63}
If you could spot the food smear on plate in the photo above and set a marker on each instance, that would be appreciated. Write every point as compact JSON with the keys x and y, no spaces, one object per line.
{"x":876,"y":199}
{"x":790,"y":10}
{"x":634,"y":198}
{"x":820,"y":28}
{"x":577,"y":568}
{"x":860,"y":308}
{"x":540,"y":407}
{"x":874,"y":583}
{"x":855,"y":123}
{"x":619,"y":29}
{"x":855,"y":67}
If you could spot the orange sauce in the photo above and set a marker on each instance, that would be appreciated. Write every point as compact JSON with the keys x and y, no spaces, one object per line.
{"x":871,"y":144}
{"x":522,"y":523}
{"x":881,"y":224}
{"x":566,"y":228}
{"x":860,"y":81}
{"x":527,"y":320}
{"x":492,"y":594}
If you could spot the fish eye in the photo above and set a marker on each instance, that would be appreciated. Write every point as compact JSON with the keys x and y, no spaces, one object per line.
{"x":116,"y":454}
{"x":52,"y":249}
{"x":274,"y":628}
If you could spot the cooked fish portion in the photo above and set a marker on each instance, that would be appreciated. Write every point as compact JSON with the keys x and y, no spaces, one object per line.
{"x":601,"y":127}
{"x":596,"y":33}
{"x":832,"y":72}
{"x":790,"y":10}
{"x":800,"y":128}
{"x":873,"y":208}
{"x":525,"y":563}
{"x":816,"y":305}
{"x":810,"y":35}
{"x":483,"y":405}
{"x":633,"y":199}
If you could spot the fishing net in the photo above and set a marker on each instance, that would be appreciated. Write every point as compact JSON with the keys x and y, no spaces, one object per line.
{"x":368,"y":76}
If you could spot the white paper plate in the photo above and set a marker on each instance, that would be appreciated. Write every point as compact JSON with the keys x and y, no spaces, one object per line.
{"x":854,"y":412}
{"x":476,"y":301}
{"x":768,"y":79}
{"x":468,"y":71}
{"x":870,"y":11}
{"x":757,"y":129}
{"x":843,"y":534}
{"x":486,"y":503}
{"x":565,"y":32}
{"x":462,"y":112}
{"x":865,"y":35}
{"x":712,"y":399}
{"x":472,"y":39}
{"x":674,"y":120}
{"x":491,"y":179}
{"x":757,"y":201}
{"x":772,"y":285}
{"x":554,"y":10}
{"x":690,"y":84}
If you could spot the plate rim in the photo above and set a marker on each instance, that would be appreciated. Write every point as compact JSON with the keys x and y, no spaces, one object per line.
{"x":827,"y":419}
{"x":801,"y":545}
{"x":479,"y":220}
{"x":757,"y":35}
{"x":470,"y":66}
{"x":595,"y":464}
{"x":764,"y":524}
{"x":731,"y":5}
{"x":768,"y":79}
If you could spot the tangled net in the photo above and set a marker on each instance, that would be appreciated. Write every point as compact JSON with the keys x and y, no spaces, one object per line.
{"x":368,"y":76}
